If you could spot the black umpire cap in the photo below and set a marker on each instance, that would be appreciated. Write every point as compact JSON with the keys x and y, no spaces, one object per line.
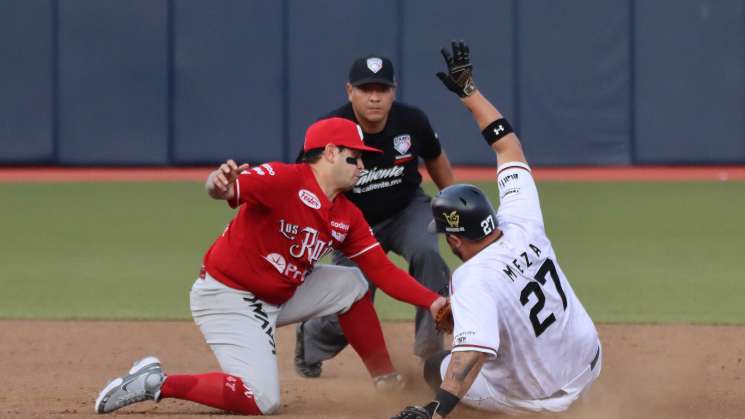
{"x":372,"y":69}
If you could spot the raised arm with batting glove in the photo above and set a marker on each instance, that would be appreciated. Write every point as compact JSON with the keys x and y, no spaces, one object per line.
{"x":464,"y":366}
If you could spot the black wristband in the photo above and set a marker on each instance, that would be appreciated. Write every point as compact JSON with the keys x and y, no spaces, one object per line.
{"x":446,"y":402}
{"x":496,"y":131}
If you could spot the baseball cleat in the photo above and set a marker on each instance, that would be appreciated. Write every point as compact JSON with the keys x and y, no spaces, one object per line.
{"x":141,"y":383}
{"x":303,"y":368}
{"x":389,"y":383}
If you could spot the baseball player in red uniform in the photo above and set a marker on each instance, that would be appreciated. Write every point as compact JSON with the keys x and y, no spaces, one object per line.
{"x":261,"y":273}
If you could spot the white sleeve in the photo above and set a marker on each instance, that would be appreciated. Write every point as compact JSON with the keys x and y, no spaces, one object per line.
{"x":518,"y":195}
{"x":475,"y":314}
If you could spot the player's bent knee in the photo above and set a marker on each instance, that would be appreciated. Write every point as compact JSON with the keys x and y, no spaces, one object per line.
{"x":360,"y":287}
{"x":432,"y":366}
{"x":355,"y":282}
{"x":353,"y":286}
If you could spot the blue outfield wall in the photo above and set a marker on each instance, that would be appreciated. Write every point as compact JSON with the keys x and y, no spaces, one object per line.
{"x":690,"y":81}
{"x":181,"y":82}
{"x":26,"y":74}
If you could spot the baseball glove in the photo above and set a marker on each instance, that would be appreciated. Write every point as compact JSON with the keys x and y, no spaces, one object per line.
{"x":417,"y":412}
{"x":444,"y":320}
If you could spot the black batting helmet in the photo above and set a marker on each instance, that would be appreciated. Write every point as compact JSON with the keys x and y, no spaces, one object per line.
{"x":464,"y":210}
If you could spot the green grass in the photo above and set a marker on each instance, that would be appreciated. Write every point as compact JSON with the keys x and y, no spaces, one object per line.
{"x":634,"y":252}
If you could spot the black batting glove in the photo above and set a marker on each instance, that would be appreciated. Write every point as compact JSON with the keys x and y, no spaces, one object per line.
{"x":459,"y":78}
{"x":417,"y":412}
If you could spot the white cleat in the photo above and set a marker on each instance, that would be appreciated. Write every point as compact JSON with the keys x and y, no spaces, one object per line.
{"x":141,"y":383}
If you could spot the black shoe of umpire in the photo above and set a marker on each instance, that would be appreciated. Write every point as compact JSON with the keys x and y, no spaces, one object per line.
{"x":303,"y":368}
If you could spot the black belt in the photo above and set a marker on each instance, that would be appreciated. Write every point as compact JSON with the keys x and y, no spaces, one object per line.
{"x":595,"y":360}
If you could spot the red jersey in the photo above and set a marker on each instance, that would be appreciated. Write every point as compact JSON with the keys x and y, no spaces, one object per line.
{"x":285,"y":224}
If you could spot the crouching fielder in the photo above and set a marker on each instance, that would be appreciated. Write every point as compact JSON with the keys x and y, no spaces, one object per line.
{"x":262,"y":272}
{"x":522,"y":341}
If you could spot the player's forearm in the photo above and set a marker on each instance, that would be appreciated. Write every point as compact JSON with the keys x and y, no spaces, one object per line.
{"x":463,"y":369}
{"x":392,"y":280}
{"x":482,"y":110}
{"x":507,"y":148}
{"x":440,"y":170}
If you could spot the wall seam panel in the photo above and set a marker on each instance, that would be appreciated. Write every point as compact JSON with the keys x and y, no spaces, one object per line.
{"x":285,"y":101}
{"x":516,"y":66}
{"x":54,"y":72}
{"x":400,"y":48}
{"x":170,"y":83}
{"x":632,"y":82}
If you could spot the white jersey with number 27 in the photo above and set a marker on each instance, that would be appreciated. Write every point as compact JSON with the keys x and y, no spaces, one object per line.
{"x":513,"y":302}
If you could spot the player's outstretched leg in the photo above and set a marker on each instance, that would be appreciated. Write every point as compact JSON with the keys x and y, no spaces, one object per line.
{"x":146,"y":381}
{"x":142,"y":382}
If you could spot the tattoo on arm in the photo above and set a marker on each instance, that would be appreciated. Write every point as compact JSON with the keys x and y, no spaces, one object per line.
{"x":462,"y":371}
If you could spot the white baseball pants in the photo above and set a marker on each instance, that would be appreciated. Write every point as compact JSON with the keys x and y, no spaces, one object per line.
{"x":483,"y":396}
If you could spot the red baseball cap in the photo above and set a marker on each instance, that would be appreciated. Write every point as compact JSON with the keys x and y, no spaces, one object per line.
{"x":337,"y":131}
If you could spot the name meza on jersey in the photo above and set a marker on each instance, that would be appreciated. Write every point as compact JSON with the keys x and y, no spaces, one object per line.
{"x":522,"y":262}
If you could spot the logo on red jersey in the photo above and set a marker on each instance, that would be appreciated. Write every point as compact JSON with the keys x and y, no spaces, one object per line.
{"x":338,"y":236}
{"x":340,"y":225}
{"x":277,"y":260}
{"x":309,"y":198}
{"x":268,"y":168}
{"x":306,"y":246}
{"x":310,"y":247}
{"x":288,"y":230}
{"x":260,"y":170}
{"x":285,"y":268}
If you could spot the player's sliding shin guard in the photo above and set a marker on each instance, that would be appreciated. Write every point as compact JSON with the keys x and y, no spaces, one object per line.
{"x":362,"y":329}
{"x":215,"y":389}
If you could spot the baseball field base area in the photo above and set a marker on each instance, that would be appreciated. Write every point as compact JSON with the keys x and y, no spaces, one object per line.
{"x":97,"y":267}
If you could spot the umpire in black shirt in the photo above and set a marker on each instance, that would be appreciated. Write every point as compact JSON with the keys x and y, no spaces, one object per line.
{"x":390,"y":196}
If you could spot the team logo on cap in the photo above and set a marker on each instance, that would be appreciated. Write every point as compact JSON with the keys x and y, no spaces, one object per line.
{"x":402,"y":143}
{"x":453,"y":219}
{"x":374,"y":64}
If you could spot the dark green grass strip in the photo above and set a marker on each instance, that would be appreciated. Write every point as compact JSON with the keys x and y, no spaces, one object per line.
{"x":634,"y":252}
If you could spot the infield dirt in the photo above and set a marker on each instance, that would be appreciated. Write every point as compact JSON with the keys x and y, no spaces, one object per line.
{"x":54,"y":369}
